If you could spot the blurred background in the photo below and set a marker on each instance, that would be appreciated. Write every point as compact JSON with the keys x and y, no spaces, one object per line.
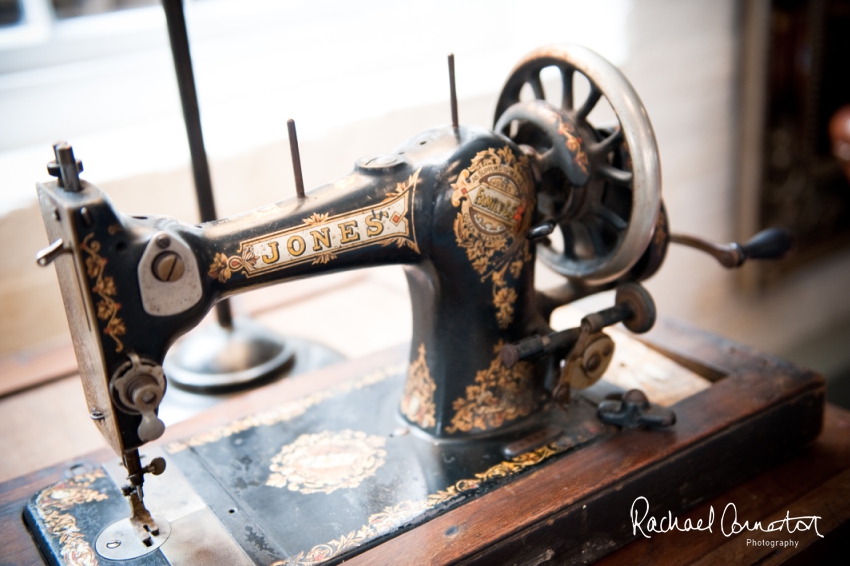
{"x":740,"y":94}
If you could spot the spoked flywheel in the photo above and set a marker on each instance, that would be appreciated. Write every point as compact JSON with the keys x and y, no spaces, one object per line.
{"x":601,"y":187}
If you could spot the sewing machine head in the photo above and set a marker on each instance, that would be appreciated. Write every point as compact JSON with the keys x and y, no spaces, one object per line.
{"x":465,"y":209}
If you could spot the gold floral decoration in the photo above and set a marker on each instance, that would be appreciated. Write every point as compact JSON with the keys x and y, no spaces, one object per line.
{"x":401,"y":242}
{"x":402,"y":188}
{"x":417,"y":400}
{"x":567,"y":130}
{"x":516,"y":268}
{"x":327,"y":461}
{"x":503,"y":300}
{"x":223,"y":267}
{"x":395,"y":516}
{"x":480,"y":251}
{"x":316,"y":218}
{"x":324,"y":258}
{"x":52,"y":505}
{"x":219,"y":269}
{"x":104,"y":287}
{"x":500,"y":251}
{"x":499,"y":394}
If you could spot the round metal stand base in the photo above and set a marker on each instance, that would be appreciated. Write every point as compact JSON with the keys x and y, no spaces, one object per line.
{"x":213,"y":358}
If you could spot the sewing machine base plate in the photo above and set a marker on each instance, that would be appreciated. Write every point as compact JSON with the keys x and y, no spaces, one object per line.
{"x":572,"y":504}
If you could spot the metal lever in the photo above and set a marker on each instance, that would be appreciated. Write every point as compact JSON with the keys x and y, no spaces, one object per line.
{"x":49,"y":254}
{"x":146,"y":398}
{"x":634,"y":308}
{"x":634,"y":410}
{"x":537,"y":346}
{"x":772,"y":243}
{"x":541,"y":230}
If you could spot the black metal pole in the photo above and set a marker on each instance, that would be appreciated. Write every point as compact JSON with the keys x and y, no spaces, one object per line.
{"x":453,"y":90}
{"x":176,"y":21}
{"x":296,"y":158}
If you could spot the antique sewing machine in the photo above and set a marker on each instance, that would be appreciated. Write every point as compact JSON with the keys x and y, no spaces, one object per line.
{"x":491,"y":393}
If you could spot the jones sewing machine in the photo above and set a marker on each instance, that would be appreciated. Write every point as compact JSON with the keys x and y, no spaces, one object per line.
{"x":491,"y":400}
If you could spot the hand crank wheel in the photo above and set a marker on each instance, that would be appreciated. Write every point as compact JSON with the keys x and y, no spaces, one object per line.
{"x":600,"y":187}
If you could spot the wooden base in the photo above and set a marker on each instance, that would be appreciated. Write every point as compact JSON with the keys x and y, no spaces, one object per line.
{"x":576,"y":508}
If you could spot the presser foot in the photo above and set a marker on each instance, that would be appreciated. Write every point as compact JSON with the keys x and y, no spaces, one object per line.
{"x":141,"y":520}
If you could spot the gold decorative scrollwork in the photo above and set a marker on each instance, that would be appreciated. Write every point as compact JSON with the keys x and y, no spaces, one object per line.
{"x":499,"y":394}
{"x":223,"y":267}
{"x":495,"y":195}
{"x":52,"y":504}
{"x":395,"y":516}
{"x":417,"y":400}
{"x":104,"y":287}
{"x":567,"y":130}
{"x":327,"y":461}
{"x":315,"y":219}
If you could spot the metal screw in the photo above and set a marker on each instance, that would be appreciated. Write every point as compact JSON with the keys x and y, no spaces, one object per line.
{"x":96,"y":415}
{"x":168,"y":266}
{"x":163,"y":241}
{"x":593,"y":362}
{"x":156,"y":467}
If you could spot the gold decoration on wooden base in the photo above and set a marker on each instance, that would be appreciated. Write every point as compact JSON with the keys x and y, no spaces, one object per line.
{"x":328,"y":461}
{"x":417,"y":399}
{"x":52,"y":504}
{"x":496,"y":198}
{"x":499,"y":394}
